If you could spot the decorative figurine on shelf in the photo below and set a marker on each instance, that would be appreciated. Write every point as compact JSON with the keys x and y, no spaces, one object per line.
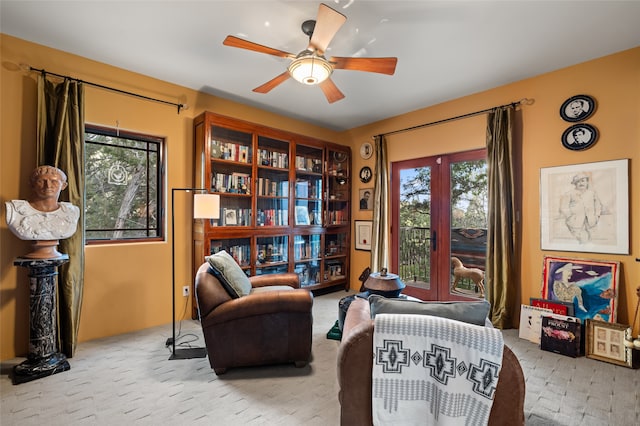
{"x":42,"y":218}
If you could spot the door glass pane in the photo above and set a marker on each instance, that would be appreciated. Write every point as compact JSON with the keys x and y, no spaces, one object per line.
{"x":469,"y":210}
{"x":415,"y":227}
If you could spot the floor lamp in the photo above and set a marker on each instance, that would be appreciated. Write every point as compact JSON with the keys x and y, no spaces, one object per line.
{"x":205,"y":206}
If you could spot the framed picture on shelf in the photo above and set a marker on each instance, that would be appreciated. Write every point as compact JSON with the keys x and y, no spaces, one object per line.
{"x":363,"y":234}
{"x":302,"y":215}
{"x":590,"y":285}
{"x":605,"y":342}
{"x":230,"y":217}
{"x":585,"y":207}
{"x":366,"y":202}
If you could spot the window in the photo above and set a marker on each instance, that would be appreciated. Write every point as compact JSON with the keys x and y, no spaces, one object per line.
{"x":123,"y":186}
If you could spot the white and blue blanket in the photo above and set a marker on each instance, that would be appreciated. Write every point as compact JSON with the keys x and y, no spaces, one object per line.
{"x":433,"y":371}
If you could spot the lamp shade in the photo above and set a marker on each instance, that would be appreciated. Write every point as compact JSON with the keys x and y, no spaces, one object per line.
{"x":310,"y":69}
{"x":206,"y":206}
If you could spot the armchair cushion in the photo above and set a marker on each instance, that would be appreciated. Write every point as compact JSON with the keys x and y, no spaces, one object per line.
{"x":469,"y":312}
{"x":230,"y":275}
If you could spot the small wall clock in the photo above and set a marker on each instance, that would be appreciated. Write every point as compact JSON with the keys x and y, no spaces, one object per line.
{"x":366,"y":150}
{"x":365,"y":174}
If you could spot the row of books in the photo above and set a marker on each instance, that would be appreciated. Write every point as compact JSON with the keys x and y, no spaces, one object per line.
{"x":273,"y":159}
{"x":240,"y":253}
{"x":551,"y":324}
{"x":269,"y":188}
{"x":272,"y":217}
{"x":338,"y":217}
{"x":308,"y":164}
{"x":306,"y":249}
{"x":230,"y":151}
{"x":272,"y":253}
{"x":236,"y":183}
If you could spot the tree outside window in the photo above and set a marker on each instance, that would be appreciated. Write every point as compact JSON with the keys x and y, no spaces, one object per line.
{"x":123,"y":186}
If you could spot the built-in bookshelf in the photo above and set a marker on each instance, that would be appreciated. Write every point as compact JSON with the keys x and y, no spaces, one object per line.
{"x":284,"y":200}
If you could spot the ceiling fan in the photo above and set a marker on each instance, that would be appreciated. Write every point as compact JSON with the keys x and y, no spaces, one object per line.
{"x":310,"y":65}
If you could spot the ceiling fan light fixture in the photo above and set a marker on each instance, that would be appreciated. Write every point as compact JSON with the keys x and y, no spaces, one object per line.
{"x":310,"y":69}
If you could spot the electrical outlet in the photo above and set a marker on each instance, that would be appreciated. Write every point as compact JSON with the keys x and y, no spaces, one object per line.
{"x":185,"y":290}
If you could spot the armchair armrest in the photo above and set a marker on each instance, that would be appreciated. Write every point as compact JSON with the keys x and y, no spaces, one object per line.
{"x":285,"y":278}
{"x":297,"y":300}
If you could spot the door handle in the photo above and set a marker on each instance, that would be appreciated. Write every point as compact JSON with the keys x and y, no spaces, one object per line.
{"x":434,"y":242}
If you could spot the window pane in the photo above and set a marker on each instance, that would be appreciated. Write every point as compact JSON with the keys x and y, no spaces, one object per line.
{"x":121,"y":186}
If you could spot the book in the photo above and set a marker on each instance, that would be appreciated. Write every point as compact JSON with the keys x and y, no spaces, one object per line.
{"x":557,"y":306}
{"x":531,"y":321}
{"x":561,"y":334}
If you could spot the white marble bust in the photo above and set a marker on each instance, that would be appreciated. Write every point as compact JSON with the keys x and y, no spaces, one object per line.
{"x":42,"y":217}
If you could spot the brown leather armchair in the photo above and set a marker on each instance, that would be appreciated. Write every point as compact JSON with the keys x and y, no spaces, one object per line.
{"x":355,"y":362}
{"x":271,"y":325}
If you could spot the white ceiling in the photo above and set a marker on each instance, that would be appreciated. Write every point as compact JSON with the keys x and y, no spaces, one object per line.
{"x":445,"y":49}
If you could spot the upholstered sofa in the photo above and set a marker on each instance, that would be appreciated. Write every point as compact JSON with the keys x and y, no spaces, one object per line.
{"x":355,"y":361}
{"x":271,"y":324}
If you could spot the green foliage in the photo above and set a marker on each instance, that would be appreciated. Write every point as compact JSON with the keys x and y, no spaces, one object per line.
{"x":469,"y":196}
{"x":121,"y":187}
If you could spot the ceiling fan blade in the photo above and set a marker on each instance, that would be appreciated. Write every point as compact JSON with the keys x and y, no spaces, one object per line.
{"x":331,"y":91}
{"x":379,"y":65}
{"x":233,"y":41}
{"x":273,"y":83}
{"x":328,"y":23}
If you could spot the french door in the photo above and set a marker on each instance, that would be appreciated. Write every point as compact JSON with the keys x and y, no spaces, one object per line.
{"x":439,"y":212}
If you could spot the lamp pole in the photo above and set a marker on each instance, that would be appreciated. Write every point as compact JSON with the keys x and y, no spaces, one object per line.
{"x":183,"y":353}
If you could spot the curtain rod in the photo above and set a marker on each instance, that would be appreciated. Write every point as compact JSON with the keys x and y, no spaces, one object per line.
{"x":66,"y":77}
{"x":524,"y":101}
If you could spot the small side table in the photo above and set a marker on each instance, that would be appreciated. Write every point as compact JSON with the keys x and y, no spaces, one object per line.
{"x":43,"y":359}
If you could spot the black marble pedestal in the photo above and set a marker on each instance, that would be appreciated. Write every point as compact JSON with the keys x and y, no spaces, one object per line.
{"x":43,"y":359}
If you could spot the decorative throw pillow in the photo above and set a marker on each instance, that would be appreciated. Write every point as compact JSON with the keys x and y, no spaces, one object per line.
{"x":469,"y":312}
{"x":229,"y":274}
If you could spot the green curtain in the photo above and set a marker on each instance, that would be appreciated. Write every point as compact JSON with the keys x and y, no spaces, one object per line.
{"x":60,"y":143}
{"x":380,"y":227}
{"x":500,"y":281}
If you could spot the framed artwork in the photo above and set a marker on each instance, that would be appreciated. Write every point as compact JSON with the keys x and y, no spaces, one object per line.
{"x":585,"y":207}
{"x":579,"y":137}
{"x":363,"y":234}
{"x":605,"y":342}
{"x":302,"y":215}
{"x":230,"y":217}
{"x":591,"y":286}
{"x":366,"y":202}
{"x":577,"y":108}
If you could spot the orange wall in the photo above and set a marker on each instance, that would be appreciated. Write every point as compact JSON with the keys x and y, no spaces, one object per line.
{"x":614,"y":81}
{"x":127,"y":287}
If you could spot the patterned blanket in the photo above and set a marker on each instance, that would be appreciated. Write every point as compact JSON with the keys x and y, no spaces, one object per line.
{"x":433,"y":371}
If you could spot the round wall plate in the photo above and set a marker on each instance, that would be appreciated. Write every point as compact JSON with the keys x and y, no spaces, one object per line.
{"x":365,"y":174}
{"x":577,"y":108}
{"x":366,"y":150}
{"x":579,"y":136}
